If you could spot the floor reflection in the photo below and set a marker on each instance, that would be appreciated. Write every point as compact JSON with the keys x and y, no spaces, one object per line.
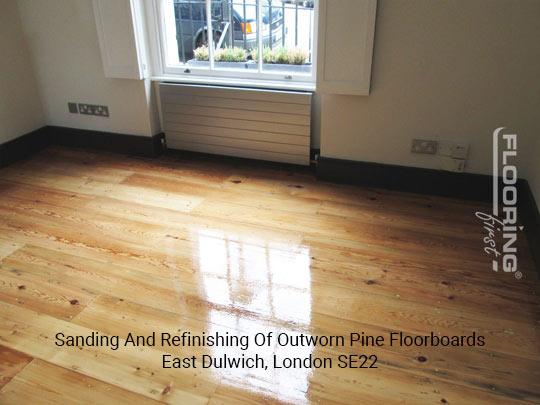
{"x":258,"y":288}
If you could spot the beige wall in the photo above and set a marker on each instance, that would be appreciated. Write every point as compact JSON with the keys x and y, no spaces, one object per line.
{"x":63,"y":40}
{"x":20,"y":105}
{"x":444,"y":69}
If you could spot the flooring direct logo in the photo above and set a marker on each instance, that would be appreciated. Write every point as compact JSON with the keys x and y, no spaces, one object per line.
{"x":501,"y":225}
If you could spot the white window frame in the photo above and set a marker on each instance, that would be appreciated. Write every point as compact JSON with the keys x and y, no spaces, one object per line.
{"x":155,"y":18}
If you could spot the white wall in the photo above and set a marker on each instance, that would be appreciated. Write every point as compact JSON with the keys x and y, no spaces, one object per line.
{"x":20,"y":105}
{"x":63,"y":40}
{"x":443,"y":69}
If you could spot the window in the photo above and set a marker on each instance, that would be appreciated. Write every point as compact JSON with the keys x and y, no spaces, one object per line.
{"x":265,"y":41}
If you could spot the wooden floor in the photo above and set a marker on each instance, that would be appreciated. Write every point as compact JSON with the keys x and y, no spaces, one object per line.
{"x":101,"y":242}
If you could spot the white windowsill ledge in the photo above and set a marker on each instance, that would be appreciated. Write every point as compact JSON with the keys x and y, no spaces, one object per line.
{"x":222,"y":81}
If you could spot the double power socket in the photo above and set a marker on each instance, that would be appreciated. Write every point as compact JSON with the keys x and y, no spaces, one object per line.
{"x":453,"y":154}
{"x":89,"y":109}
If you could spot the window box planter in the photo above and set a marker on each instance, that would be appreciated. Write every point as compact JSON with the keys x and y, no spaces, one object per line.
{"x":277,"y":67}
{"x":223,"y":65}
{"x":252,"y":65}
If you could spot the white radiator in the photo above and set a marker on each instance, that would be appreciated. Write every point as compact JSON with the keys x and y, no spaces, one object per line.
{"x":249,"y":123}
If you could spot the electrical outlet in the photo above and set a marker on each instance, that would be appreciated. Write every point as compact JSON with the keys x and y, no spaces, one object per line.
{"x":424,"y":146}
{"x":84,"y":109}
{"x":101,"y":110}
{"x":92,"y":109}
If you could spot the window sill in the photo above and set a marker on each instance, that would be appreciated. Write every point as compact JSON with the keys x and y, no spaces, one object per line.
{"x":222,"y":81}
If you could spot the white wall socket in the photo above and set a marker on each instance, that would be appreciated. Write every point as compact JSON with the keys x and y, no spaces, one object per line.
{"x":424,"y":146}
{"x":452,"y":155}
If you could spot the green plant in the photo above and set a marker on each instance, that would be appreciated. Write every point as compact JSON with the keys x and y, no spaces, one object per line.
{"x":267,"y":55}
{"x":221,"y":55}
{"x":230,"y":55}
{"x":282,"y":55}
{"x":201,"y":53}
{"x":297,"y":56}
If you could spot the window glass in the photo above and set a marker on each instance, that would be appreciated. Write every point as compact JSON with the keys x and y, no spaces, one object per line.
{"x":287,"y":36}
{"x":283,"y":29}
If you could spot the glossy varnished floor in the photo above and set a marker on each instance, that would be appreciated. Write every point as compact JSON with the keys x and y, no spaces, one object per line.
{"x":101,"y":242}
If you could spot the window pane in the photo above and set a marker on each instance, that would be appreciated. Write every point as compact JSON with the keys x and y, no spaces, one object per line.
{"x":189,"y":30}
{"x":234,"y":25}
{"x":288,"y":36}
